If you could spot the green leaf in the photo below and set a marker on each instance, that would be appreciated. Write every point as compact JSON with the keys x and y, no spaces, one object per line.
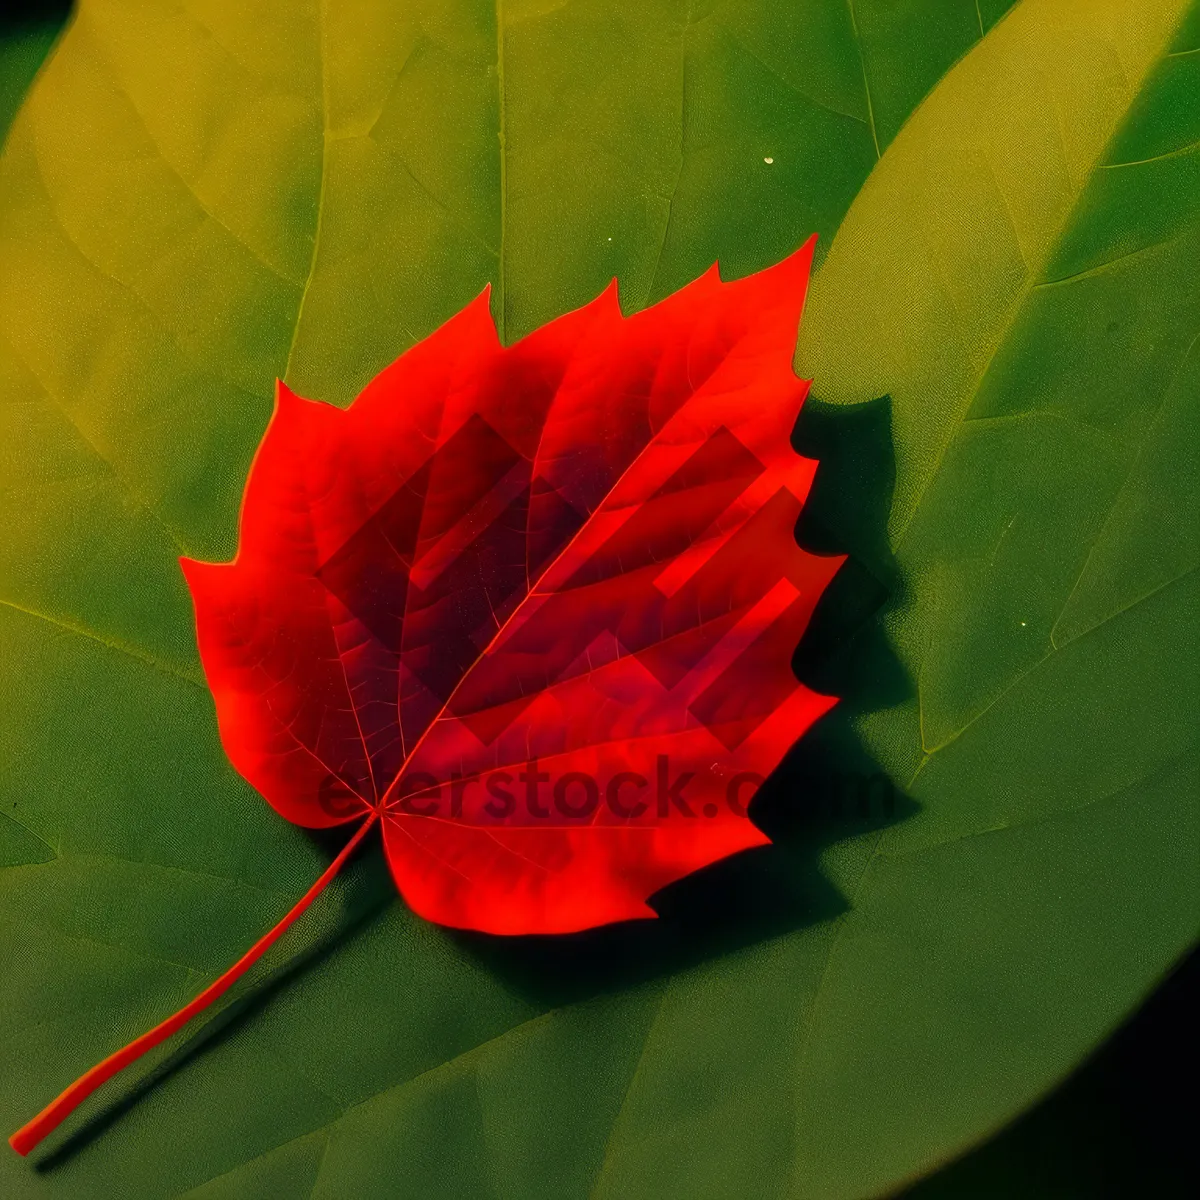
{"x":199,"y":197}
{"x":24,"y":44}
{"x":1020,"y":277}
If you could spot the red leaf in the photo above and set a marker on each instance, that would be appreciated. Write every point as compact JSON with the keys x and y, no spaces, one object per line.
{"x":577,"y":550}
{"x":532,"y":608}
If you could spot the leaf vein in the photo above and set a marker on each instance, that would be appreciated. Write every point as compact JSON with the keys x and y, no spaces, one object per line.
{"x":862,"y":62}
{"x":321,"y":188}
{"x":135,"y":652}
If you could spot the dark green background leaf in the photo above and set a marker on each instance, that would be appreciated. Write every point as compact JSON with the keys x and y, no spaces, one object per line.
{"x":26,"y":35}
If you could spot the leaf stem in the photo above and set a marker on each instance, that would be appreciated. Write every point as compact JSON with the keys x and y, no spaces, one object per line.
{"x":30,"y":1134}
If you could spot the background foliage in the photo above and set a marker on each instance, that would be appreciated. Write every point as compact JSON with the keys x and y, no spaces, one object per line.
{"x":196,"y":198}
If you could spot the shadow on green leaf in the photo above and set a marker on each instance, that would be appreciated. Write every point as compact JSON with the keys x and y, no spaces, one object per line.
{"x":827,"y":789}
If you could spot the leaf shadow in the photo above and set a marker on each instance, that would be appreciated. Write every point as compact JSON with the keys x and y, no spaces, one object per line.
{"x":826,"y":790}
{"x":367,"y":892}
{"x":21,"y":15}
